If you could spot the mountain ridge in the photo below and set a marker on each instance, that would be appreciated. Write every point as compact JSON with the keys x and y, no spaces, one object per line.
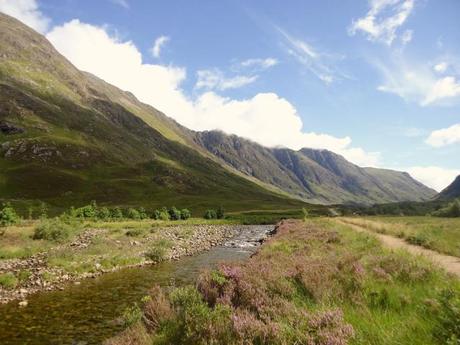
{"x":83,"y":138}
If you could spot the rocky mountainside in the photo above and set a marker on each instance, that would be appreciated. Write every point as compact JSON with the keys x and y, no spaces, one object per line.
{"x":67,"y":137}
{"x":314,"y":175}
{"x":452,"y":191}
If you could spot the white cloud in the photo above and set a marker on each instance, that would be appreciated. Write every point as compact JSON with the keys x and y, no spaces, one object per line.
{"x":215,"y":79}
{"x":417,"y":82}
{"x":383,"y":20}
{"x":322,"y":65}
{"x":260,"y":63}
{"x":265,"y":118}
{"x":445,"y":136}
{"x":122,"y":3}
{"x":435,"y":177}
{"x":443,"y":88}
{"x":159,"y":42}
{"x":27,"y":12}
{"x":406,"y":37}
{"x":441,"y":67}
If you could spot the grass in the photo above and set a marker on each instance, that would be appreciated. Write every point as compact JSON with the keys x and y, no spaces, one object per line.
{"x":312,"y":283}
{"x":8,"y":281}
{"x":439,"y":234}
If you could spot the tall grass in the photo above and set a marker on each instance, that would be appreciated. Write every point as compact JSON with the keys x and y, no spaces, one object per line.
{"x":313,"y":283}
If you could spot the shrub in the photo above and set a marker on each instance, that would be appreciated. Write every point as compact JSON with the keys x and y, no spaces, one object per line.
{"x":164,"y":215}
{"x":8,"y":215}
{"x":116,"y":213}
{"x":132,"y":213}
{"x":104,"y":213}
{"x":132,"y":315}
{"x":185,"y":214}
{"x":88,"y":211}
{"x":134,"y":232}
{"x":174,"y":213}
{"x":156,"y":214}
{"x":142,"y":213}
{"x":158,"y":251}
{"x":451,"y":210}
{"x":210,"y":214}
{"x":8,"y":281}
{"x":56,"y":229}
{"x":447,"y":329}
{"x":220,"y":214}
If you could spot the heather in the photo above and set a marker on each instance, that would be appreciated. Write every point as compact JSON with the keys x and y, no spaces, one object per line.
{"x":312,"y":283}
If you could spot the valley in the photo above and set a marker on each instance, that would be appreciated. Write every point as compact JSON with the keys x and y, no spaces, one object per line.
{"x":256,"y":224}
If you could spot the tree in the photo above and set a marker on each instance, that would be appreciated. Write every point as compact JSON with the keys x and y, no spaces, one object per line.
{"x":185,"y":214}
{"x":220,"y":214}
{"x":142,"y":213}
{"x":103,"y":213}
{"x":8,"y":215}
{"x":174,"y":213}
{"x":132,"y":213}
{"x":210,"y":214}
{"x":117,"y":213}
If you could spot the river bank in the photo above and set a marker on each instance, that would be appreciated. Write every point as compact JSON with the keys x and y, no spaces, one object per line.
{"x":92,"y":311}
{"x":94,"y":252}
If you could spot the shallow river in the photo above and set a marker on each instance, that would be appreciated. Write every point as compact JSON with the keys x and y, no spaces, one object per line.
{"x":88,"y":313}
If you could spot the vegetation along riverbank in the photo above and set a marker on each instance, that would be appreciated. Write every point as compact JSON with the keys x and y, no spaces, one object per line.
{"x":314,"y":282}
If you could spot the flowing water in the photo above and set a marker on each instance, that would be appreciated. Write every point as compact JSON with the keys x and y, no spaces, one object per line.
{"x":90,"y":312}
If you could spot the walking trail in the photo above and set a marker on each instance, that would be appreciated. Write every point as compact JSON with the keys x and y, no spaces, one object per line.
{"x":450,"y":263}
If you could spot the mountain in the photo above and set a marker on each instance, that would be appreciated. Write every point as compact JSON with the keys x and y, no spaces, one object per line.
{"x":315,"y":175}
{"x":452,"y":191}
{"x":67,"y":137}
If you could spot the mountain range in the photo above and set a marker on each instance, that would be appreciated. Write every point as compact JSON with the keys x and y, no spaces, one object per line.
{"x":67,"y":137}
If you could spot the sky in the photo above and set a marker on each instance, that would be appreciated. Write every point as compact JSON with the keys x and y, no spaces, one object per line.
{"x":376,"y":81}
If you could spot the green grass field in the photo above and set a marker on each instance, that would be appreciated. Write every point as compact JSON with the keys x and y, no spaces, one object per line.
{"x":439,"y":234}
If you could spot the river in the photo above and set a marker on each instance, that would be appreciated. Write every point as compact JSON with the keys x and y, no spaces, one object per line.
{"x":89,"y":312}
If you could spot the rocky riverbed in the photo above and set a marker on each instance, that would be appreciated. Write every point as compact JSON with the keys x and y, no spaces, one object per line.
{"x":40,"y":275}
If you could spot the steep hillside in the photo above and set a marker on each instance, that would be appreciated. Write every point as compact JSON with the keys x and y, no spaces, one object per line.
{"x":452,"y":191}
{"x":314,"y":175}
{"x":67,"y":137}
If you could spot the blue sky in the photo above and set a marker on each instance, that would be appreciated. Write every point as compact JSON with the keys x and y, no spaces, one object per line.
{"x":376,"y":81}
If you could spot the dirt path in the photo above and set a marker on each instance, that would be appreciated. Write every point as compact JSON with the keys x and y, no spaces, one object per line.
{"x":450,"y":263}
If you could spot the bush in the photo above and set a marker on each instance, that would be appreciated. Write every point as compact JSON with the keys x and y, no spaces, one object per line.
{"x":116,"y":213}
{"x":56,"y":229}
{"x":164,"y":215}
{"x":8,"y":215}
{"x":158,"y":252}
{"x":132,"y":213}
{"x":210,"y":214}
{"x":174,"y":213}
{"x":132,"y":315}
{"x":143,"y":213}
{"x":8,"y":281}
{"x":156,"y":214}
{"x":220,"y":214}
{"x":447,"y":329}
{"x":104,"y":213}
{"x":88,"y":211}
{"x":451,"y":210}
{"x":185,"y":214}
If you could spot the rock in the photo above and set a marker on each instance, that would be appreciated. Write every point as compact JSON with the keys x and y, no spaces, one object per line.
{"x":23,"y":291}
{"x":23,"y":303}
{"x":77,"y":283}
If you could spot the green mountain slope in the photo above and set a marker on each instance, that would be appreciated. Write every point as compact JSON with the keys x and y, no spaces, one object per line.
{"x":67,"y":137}
{"x":314,"y":175}
{"x":452,"y":191}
